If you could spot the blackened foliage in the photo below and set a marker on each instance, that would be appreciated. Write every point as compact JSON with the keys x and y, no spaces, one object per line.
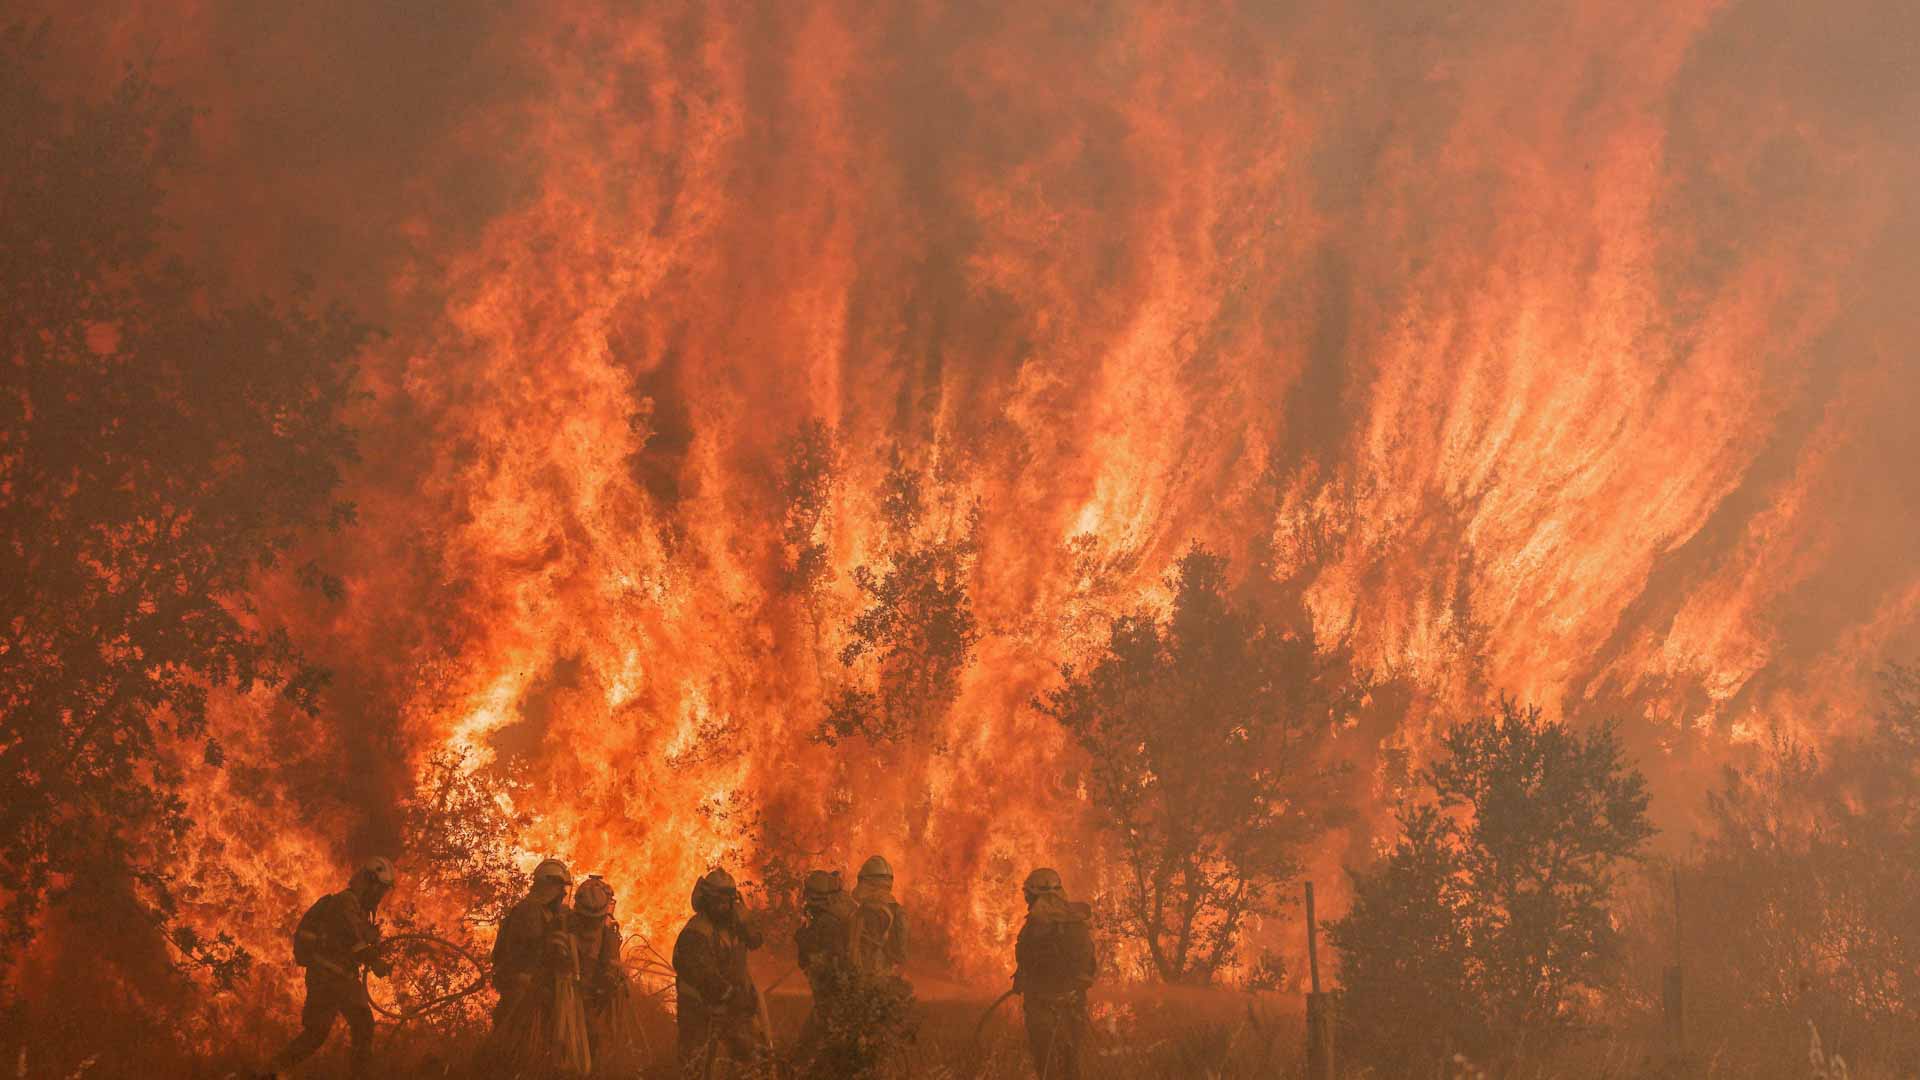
{"x":1493,"y":907}
{"x":1205,"y":730}
{"x":867,"y":1024}
{"x":460,"y":848}
{"x":781,"y":859}
{"x":808,"y":477}
{"x":157,"y":449}
{"x":1404,"y":936}
{"x":918,"y":628}
{"x":460,"y":840}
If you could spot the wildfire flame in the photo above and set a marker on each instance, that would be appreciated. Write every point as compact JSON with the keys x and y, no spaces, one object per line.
{"x":1571,"y":339}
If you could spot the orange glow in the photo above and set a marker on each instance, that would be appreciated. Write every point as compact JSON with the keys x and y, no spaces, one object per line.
{"x":1435,"y":316}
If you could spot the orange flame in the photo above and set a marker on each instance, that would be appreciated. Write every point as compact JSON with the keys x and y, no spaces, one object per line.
{"x":1562,"y":338}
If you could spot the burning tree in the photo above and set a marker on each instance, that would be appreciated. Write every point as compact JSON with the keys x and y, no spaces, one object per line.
{"x":460,"y":841}
{"x":1491,"y":913}
{"x":159,"y":449}
{"x":918,"y":627}
{"x":1204,"y":731}
{"x":460,"y":845}
{"x":808,"y":477}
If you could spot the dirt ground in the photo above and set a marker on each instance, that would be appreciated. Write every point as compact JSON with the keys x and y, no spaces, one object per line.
{"x":1143,"y":1032}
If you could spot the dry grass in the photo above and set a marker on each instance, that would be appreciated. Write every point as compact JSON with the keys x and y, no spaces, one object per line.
{"x":1176,"y":1035}
{"x":1141,"y":1034}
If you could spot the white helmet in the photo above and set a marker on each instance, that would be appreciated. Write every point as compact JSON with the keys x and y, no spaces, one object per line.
{"x":376,"y":871}
{"x":593,"y":897}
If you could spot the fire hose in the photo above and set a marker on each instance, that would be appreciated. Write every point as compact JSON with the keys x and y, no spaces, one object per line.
{"x":980,"y":1028}
{"x":410,"y":1013}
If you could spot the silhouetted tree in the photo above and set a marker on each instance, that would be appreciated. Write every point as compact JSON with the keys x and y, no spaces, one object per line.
{"x":918,"y":628}
{"x":1204,"y":729}
{"x":808,"y":476}
{"x":461,"y":843}
{"x":158,"y":448}
{"x":460,"y":854}
{"x":868,"y":1023}
{"x":1804,"y":905}
{"x":1493,"y":906}
{"x":1406,"y":956}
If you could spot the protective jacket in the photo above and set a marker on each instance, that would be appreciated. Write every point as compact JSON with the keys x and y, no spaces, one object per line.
{"x":596,"y":941}
{"x":824,"y":936}
{"x":525,"y":942}
{"x":1054,"y":955}
{"x":878,"y":937}
{"x":336,"y":937}
{"x":710,"y":966}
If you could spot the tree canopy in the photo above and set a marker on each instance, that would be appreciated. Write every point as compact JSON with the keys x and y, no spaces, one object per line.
{"x":1490,"y":915}
{"x":1203,"y":727}
{"x":160,"y":446}
{"x":1804,"y":902}
{"x":917,"y":629}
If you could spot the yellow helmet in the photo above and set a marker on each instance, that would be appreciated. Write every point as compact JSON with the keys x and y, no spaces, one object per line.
{"x":376,"y":871}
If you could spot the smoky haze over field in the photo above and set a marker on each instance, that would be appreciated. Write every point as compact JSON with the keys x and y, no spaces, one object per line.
{"x":1565,"y":351}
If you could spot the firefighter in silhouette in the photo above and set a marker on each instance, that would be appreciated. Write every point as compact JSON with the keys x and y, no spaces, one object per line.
{"x":522,"y":950}
{"x":718,"y":1004}
{"x":1054,"y":966}
{"x":596,"y":940}
{"x":879,"y":935}
{"x":823,"y":940}
{"x":612,"y":1027}
{"x":539,"y":1026}
{"x":335,"y":941}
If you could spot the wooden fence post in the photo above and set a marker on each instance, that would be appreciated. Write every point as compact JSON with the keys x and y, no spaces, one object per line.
{"x":1673,"y":996}
{"x":1320,"y":1064}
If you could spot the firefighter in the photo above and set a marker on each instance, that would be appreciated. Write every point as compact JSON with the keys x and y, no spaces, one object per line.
{"x":336,"y":940}
{"x":612,"y":1026}
{"x":1054,"y":966}
{"x":718,"y":1004}
{"x":539,"y":1026}
{"x":823,"y":941}
{"x":879,"y":933}
{"x":522,"y":949}
{"x":596,"y":940}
